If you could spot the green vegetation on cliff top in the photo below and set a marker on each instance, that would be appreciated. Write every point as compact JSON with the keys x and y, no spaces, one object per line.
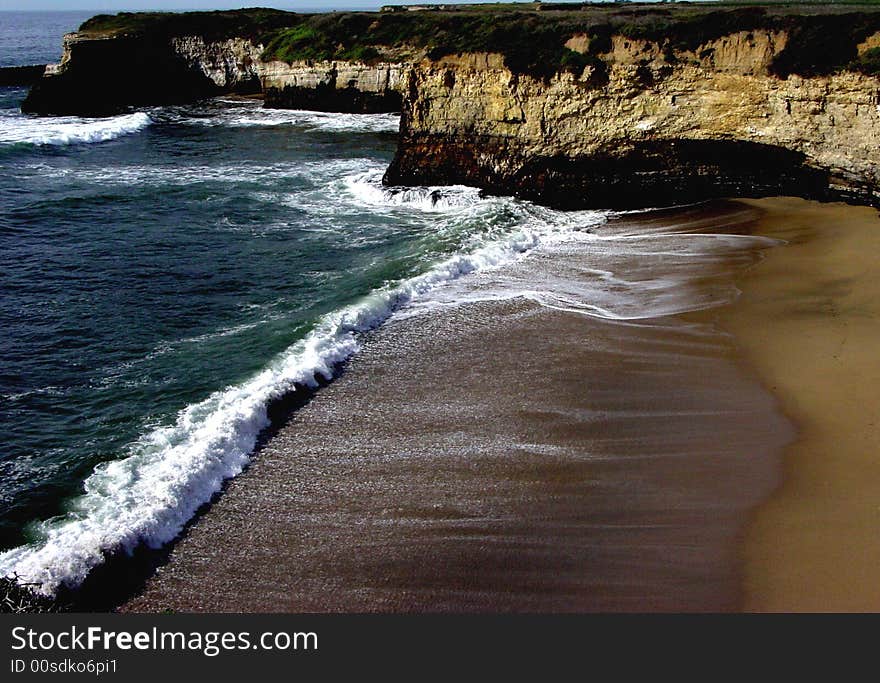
{"x":249,"y":23}
{"x":822,"y":38}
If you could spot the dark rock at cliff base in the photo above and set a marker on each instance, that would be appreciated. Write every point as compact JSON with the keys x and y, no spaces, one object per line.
{"x":331,"y":99}
{"x":64,"y":95}
{"x":16,"y":76}
{"x":651,"y":173}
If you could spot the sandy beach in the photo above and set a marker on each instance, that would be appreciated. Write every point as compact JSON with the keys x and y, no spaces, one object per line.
{"x":809,"y":321}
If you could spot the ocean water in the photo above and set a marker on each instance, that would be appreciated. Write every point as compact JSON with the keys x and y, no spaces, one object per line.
{"x":35,"y":37}
{"x":167,"y":273}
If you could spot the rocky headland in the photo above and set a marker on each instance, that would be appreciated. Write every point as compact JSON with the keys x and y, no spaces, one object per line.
{"x":621,"y":105}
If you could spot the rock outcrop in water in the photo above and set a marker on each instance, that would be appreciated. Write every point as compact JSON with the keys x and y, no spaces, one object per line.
{"x":101,"y":76}
{"x":620,"y":106}
{"x":105,"y":72}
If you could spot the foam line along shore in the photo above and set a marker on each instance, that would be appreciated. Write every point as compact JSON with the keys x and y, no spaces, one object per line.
{"x":175,"y":460}
{"x":547,"y":435}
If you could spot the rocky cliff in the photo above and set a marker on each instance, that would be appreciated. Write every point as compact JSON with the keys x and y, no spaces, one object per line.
{"x":100,"y":76}
{"x":611,"y":106}
{"x":657,"y":126}
{"x":16,"y":76}
{"x":112,"y":64}
{"x":334,"y":86}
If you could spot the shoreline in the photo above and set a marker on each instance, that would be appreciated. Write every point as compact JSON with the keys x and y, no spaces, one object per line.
{"x":339,"y":511}
{"x":808,"y":323}
{"x":509,"y":456}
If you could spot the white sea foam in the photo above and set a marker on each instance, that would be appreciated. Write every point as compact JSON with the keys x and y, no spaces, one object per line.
{"x":251,"y":114}
{"x":148,"y":496}
{"x":193,"y":174}
{"x":367,"y":190}
{"x":326,"y":121}
{"x":68,"y":130}
{"x":49,"y":389}
{"x":621,"y":277}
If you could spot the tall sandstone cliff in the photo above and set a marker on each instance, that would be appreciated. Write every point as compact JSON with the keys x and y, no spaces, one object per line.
{"x":657,"y":127}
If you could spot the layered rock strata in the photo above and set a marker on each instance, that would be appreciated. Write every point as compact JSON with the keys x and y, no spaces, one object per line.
{"x":662,"y":127}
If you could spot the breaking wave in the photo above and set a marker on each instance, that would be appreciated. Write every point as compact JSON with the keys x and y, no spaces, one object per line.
{"x":148,"y":496}
{"x":366,"y":188}
{"x":67,"y":130}
{"x":251,"y":114}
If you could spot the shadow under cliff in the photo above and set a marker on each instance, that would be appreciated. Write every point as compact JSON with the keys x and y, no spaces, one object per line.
{"x":652,"y":173}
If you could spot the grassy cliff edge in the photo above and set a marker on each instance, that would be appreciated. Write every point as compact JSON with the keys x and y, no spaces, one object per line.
{"x":532,"y":38}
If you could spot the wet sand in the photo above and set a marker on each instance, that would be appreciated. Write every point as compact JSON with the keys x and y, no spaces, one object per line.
{"x":809,"y":322}
{"x":504,"y":456}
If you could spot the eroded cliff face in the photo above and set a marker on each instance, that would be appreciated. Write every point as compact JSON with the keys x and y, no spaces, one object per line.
{"x":100,"y":76}
{"x":646,"y":126}
{"x":334,"y":86}
{"x":232,"y":65}
{"x":104,"y":75}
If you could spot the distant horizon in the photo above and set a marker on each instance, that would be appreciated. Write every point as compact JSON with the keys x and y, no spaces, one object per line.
{"x":111,"y":6}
